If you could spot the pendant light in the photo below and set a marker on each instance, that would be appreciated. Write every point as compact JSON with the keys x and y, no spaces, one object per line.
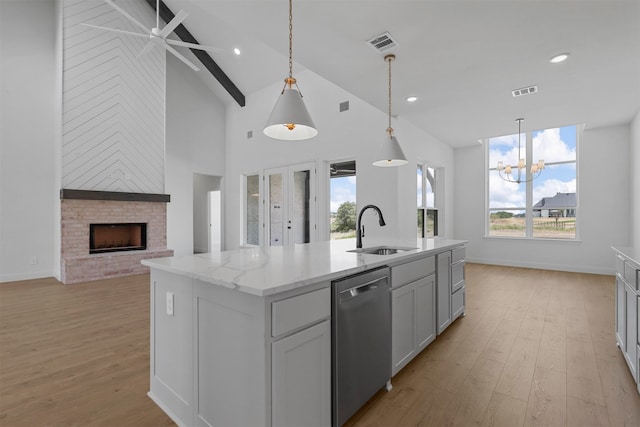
{"x":290,"y":119}
{"x":390,"y":153}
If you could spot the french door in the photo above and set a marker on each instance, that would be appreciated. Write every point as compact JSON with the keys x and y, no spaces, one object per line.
{"x":290,"y":205}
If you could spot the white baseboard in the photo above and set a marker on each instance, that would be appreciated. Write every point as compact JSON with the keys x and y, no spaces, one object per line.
{"x":556,"y":267}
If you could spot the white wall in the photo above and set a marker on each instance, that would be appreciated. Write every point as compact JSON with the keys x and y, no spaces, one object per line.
{"x":635,"y":181}
{"x":202,"y":185}
{"x":603,"y":212}
{"x":356,"y":133}
{"x":28,"y":188}
{"x":194,"y":144}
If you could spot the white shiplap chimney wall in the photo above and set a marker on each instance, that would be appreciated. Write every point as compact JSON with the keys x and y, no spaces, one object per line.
{"x":113,"y":125}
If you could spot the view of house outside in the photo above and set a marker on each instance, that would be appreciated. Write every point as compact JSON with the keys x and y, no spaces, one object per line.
{"x":554,"y":193}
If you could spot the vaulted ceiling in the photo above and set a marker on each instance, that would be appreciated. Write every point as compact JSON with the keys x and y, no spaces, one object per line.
{"x":461,"y":58}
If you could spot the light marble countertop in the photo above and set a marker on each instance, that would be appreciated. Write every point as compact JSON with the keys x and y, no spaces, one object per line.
{"x":268,"y":271}
{"x":631,"y":253}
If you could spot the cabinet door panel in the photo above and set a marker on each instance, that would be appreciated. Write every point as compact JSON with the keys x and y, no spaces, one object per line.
{"x":632,"y":335}
{"x":301,"y":378}
{"x":403,"y":326}
{"x":443,"y":291}
{"x":621,"y":313}
{"x":425,"y":311}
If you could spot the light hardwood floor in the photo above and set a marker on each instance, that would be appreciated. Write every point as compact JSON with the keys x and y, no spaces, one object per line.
{"x":536,"y":348}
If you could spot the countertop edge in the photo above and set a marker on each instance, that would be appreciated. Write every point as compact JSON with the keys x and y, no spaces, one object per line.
{"x":390,"y":260}
{"x":631,"y":253}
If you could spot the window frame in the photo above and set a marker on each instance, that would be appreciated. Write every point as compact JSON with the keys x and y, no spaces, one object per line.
{"x":245,"y":209}
{"x":529,"y":188}
{"x":424,"y":166}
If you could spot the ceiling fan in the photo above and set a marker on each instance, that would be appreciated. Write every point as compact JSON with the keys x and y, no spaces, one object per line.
{"x":157,"y":36}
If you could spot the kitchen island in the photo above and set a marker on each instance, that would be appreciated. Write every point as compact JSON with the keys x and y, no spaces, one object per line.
{"x":243,"y":337}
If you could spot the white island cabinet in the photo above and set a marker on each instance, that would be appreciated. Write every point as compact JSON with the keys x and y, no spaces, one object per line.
{"x":219,"y":356}
{"x":627,"y":262}
{"x":243,"y":338}
{"x":413,"y":310}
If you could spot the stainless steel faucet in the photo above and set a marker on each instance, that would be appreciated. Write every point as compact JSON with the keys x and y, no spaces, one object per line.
{"x":360,"y":229}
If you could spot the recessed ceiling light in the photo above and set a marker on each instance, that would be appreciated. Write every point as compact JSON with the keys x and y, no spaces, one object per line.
{"x":411,"y":98}
{"x":236,"y":51}
{"x":559,"y":58}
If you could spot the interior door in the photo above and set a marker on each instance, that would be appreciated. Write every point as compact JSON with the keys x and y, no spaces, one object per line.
{"x":290,"y":204}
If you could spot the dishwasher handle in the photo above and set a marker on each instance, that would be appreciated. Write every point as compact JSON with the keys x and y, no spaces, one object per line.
{"x":360,"y":289}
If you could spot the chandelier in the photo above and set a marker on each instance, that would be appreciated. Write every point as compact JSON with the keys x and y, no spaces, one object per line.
{"x":507,"y":172}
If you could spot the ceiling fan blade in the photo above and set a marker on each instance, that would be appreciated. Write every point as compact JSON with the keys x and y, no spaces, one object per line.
{"x":177,"y":20}
{"x":127,"y":15}
{"x":146,"y":48}
{"x":193,"y":45}
{"x":180,"y":57}
{"x":115,"y":30}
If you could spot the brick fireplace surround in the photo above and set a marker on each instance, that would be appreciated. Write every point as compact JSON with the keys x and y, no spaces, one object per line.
{"x":79,"y":209}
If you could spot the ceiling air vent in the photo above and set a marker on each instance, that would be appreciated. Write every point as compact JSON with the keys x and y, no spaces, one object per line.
{"x":524,"y":91}
{"x":383,"y":42}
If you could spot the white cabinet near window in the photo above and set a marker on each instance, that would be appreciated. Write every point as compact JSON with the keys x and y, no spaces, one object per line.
{"x":627,"y":307}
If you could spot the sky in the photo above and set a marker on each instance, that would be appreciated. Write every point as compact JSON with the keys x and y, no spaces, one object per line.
{"x":342,"y":190}
{"x":551,"y":145}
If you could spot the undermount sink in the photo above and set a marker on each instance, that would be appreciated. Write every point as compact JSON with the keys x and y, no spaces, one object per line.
{"x":381,"y":250}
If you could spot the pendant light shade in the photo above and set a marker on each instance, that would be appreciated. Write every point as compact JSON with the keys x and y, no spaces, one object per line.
{"x":290,"y":119}
{"x":390,"y":153}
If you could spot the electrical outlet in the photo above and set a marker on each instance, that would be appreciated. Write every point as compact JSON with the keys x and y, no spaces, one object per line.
{"x":33,"y":260}
{"x":170,"y":300}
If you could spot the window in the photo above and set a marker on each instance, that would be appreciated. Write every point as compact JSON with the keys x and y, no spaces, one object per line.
{"x":545,"y":207}
{"x":426,"y":198}
{"x":252,"y":209}
{"x":342,"y":200}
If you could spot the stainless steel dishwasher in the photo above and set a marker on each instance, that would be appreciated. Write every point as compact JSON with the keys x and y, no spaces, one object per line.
{"x":361,"y":340}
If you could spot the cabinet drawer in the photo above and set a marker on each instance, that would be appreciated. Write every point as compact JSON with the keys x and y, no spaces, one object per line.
{"x":457,"y":276}
{"x":412,"y":271}
{"x":457,"y":303}
{"x":457,"y":254}
{"x":631,"y":275}
{"x":298,"y":311}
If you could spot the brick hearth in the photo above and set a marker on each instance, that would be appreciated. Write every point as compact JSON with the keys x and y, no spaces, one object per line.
{"x":77,"y":265}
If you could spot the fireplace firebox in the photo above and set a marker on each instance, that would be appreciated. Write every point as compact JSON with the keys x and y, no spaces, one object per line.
{"x":117,"y":237}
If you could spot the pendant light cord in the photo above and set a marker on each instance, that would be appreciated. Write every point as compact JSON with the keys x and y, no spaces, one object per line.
{"x":290,"y":81}
{"x":290,"y":39}
{"x":389,"y":96}
{"x":389,"y":58}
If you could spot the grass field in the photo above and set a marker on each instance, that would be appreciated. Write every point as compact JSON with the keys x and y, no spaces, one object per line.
{"x":550,"y":228}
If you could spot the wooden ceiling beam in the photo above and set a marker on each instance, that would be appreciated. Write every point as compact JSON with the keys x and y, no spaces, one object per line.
{"x":181,"y":31}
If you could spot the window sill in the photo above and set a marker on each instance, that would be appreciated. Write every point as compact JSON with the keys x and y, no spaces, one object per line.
{"x":536,"y":239}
